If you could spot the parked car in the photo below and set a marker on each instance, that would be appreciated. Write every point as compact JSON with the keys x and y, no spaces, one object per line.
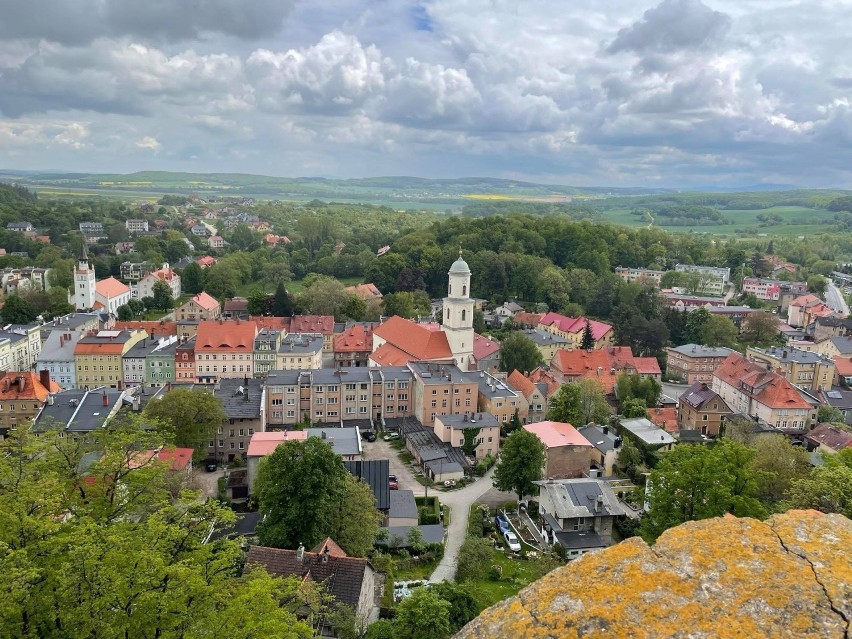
{"x":512,"y":541}
{"x":449,"y":483}
{"x":391,"y":436}
{"x":393,"y":485}
{"x":210,"y":465}
{"x":502,"y":524}
{"x":368,"y":435}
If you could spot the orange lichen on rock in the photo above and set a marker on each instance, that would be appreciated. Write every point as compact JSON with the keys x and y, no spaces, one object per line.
{"x":790,"y":576}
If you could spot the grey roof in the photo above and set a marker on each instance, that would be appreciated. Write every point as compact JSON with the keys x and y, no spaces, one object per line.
{"x":265,"y":335}
{"x":52,"y":351}
{"x":797,"y":355}
{"x":842,"y":344}
{"x":696,"y":350}
{"x":436,"y":373}
{"x":78,"y":410}
{"x":838,"y":397}
{"x":301,"y":343}
{"x":698,"y":394}
{"x":432,"y":534}
{"x":344,"y":441}
{"x":430,"y":448}
{"x":477,"y":420}
{"x":578,"y":497}
{"x":647,"y":432}
{"x":730,"y":310}
{"x":444,"y":465}
{"x":402,"y":504}
{"x":460,"y":267}
{"x":543,"y":338}
{"x":576,"y":540}
{"x":353,"y":375}
{"x":241,"y":398}
{"x":375,"y":472}
{"x":489,"y":385}
{"x":603,"y":442}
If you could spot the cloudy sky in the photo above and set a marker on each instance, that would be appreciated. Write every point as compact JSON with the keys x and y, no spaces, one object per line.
{"x":586,"y":92}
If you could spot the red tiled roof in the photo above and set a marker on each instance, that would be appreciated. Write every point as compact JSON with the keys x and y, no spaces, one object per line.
{"x":843,"y":365}
{"x":225,"y":335}
{"x":154,"y":327}
{"x":804,"y":300}
{"x":163,"y":274}
{"x":414,"y":340}
{"x":665,"y":418}
{"x":111,"y":287}
{"x":831,"y":436}
{"x":647,"y":365}
{"x":206,"y":301}
{"x":770,"y":389}
{"x":312,"y":324}
{"x":575,"y":324}
{"x":389,"y":355}
{"x":10,"y":386}
{"x":556,"y":434}
{"x":544,"y":376}
{"x":356,"y":338}
{"x":365,"y":291}
{"x":262,"y":444}
{"x":483,"y":347}
{"x":523,"y":385}
{"x":271,"y":321}
{"x":528,"y":319}
{"x":180,"y":458}
{"x":206,"y":261}
{"x":603,"y":365}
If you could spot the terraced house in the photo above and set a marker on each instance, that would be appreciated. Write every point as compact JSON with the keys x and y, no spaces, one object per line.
{"x":98,"y":357}
{"x":224,"y":349}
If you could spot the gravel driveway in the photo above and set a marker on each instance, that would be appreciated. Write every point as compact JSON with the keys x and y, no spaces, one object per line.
{"x":380,"y":449}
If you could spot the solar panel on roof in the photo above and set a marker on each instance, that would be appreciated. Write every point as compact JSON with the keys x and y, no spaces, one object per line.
{"x":835,"y":394}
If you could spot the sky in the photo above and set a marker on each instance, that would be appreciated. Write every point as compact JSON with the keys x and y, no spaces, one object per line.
{"x":678,"y":93}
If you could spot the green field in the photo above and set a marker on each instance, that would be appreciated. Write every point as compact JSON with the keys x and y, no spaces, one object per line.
{"x":743,"y":221}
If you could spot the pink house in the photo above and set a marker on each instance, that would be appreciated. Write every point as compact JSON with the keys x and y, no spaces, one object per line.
{"x":567,"y":453}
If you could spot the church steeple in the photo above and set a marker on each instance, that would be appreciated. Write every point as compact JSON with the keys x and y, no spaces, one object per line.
{"x":84,"y":281}
{"x":458,"y":313}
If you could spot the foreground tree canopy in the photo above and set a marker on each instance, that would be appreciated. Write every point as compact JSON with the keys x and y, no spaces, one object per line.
{"x":93,"y":545}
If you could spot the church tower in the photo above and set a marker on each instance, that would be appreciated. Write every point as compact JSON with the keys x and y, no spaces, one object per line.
{"x":84,"y":282}
{"x":458,"y":314}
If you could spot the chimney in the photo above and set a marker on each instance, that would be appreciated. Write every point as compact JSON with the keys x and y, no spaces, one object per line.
{"x":50,"y":399}
{"x":599,"y":503}
{"x":44,"y":378}
{"x":325,"y":554}
{"x":104,"y":399}
{"x":606,"y":430}
{"x":300,"y":552}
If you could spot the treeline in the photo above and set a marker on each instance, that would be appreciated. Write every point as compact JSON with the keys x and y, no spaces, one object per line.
{"x":571,"y":210}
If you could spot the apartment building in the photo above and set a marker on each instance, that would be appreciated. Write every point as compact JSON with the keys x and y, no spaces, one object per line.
{"x":646,"y":276}
{"x":573,"y":329}
{"x":151,"y":362}
{"x":14,"y":280}
{"x":136,"y":226}
{"x":57,"y":356}
{"x":185,"y":360}
{"x":804,"y":369}
{"x":300,"y":351}
{"x":768,"y":289}
{"x":244,"y":402}
{"x":266,"y":346}
{"x":713,"y":279}
{"x":701,"y":409}
{"x":497,"y":397}
{"x":135,"y":271}
{"x":338,"y":396}
{"x":748,"y":388}
{"x":145,"y":287}
{"x":442,"y":389}
{"x":315,"y":324}
{"x":22,"y":395}
{"x":534,"y":393}
{"x":224,"y":350}
{"x":694,"y":363}
{"x":98,"y":357}
{"x":548,"y":342}
{"x":477,"y":435}
{"x":353,"y":346}
{"x":24,"y":346}
{"x":201,"y":307}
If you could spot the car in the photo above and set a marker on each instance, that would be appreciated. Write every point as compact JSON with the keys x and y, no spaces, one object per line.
{"x":391,"y":436}
{"x":393,"y":485}
{"x":391,"y":477}
{"x":449,"y":483}
{"x":512,"y":541}
{"x":210,"y":465}
{"x":502,"y":524}
{"x":368,"y":435}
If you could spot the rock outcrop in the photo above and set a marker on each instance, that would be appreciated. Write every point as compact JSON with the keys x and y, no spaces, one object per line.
{"x":790,"y":576}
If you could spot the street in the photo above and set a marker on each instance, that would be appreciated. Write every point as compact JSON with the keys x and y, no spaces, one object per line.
{"x":834,"y":298}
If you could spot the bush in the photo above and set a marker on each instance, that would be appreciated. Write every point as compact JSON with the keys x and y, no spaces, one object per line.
{"x":474,"y":559}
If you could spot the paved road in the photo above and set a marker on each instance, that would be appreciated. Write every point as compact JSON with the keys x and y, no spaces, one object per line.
{"x":382,"y":450}
{"x":458,"y":502}
{"x":674,"y":390}
{"x":834,"y":298}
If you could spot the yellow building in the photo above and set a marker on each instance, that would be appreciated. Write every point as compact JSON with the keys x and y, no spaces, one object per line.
{"x":98,"y":357}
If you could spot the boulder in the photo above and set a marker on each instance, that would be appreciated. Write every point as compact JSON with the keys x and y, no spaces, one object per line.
{"x":789,"y":576}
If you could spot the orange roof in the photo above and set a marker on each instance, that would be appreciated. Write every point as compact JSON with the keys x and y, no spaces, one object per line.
{"x":153,"y":327}
{"x":520,"y":383}
{"x":271,"y":322}
{"x":843,"y":365}
{"x":111,"y":287}
{"x":665,"y":418}
{"x":164,"y":274}
{"x":179,"y":457}
{"x":356,"y":338}
{"x":544,"y":376}
{"x":206,"y":301}
{"x":556,"y":434}
{"x":603,"y":365}
{"x":389,"y":355}
{"x":575,"y":324}
{"x":10,"y":386}
{"x":765,"y":387}
{"x":262,"y":444}
{"x":225,"y":335}
{"x":647,"y":365}
{"x":528,"y":319}
{"x":365,"y":291}
{"x":206,"y":261}
{"x":483,"y":347}
{"x":416,"y":341}
{"x":333,"y":549}
{"x":312,"y":324}
{"x":804,"y":300}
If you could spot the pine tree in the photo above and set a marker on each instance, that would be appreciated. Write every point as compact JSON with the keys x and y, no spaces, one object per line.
{"x":283,"y":303}
{"x":588,"y":341}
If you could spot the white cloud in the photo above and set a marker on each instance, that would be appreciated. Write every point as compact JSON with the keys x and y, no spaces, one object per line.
{"x":149,"y":142}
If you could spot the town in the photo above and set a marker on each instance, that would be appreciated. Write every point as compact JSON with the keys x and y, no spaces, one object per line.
{"x":470,"y":438}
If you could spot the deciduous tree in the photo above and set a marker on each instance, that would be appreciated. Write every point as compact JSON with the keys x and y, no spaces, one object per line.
{"x":520,"y":464}
{"x":191,"y":417}
{"x":423,"y":615}
{"x":17,"y":310}
{"x":356,"y":520}
{"x":192,"y":279}
{"x":519,"y":353}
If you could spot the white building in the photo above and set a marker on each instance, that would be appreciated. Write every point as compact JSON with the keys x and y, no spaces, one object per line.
{"x":145,"y":287}
{"x":110,"y":294}
{"x":458,"y":314}
{"x":714,"y":279}
{"x":136,"y":226}
{"x":84,"y":283}
{"x":57,"y":356}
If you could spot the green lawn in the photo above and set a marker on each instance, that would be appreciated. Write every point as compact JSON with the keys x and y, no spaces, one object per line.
{"x":415,"y":570}
{"x":517,"y":574}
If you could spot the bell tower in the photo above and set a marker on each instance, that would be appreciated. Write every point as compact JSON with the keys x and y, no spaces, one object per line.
{"x":458,"y":314}
{"x":84,"y":282}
